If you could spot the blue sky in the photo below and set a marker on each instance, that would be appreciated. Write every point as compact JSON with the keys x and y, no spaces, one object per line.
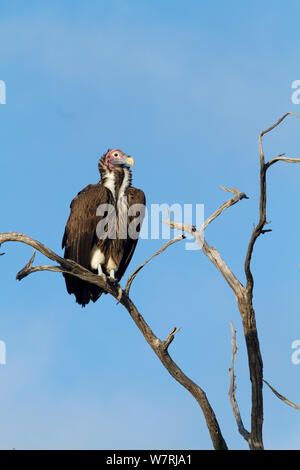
{"x":185,"y":88}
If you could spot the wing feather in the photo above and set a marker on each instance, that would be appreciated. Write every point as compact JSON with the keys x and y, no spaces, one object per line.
{"x":79,"y":237}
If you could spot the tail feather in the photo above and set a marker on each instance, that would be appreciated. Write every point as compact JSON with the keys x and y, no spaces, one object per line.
{"x":83,"y":291}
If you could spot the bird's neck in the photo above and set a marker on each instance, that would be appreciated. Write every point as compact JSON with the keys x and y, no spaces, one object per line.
{"x":117,"y":181}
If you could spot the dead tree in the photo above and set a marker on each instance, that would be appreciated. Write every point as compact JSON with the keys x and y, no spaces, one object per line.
{"x":243,"y":294}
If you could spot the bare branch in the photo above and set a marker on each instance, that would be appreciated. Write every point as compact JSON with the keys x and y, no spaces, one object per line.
{"x":259,"y":229}
{"x":211,"y":252}
{"x":245,"y":302}
{"x":191,"y":229}
{"x":238,"y":196}
{"x":278,"y":122}
{"x":166,"y":343}
{"x":158,"y":252}
{"x":232,"y":389}
{"x":26,"y":272}
{"x":159,"y":347}
{"x":280,"y":158}
{"x":281,"y":397}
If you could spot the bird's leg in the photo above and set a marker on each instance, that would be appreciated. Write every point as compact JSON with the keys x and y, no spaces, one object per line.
{"x":112,"y":274}
{"x":100,"y":272}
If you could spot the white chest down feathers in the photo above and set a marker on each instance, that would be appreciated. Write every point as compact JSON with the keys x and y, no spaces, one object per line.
{"x":110,"y":183}
{"x":97,"y":258}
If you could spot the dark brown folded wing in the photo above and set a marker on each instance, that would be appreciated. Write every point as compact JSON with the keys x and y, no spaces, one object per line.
{"x":79,"y":238}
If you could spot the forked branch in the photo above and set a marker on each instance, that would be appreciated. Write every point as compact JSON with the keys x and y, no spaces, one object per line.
{"x":159,"y":347}
{"x":211,"y":252}
{"x":259,"y":228}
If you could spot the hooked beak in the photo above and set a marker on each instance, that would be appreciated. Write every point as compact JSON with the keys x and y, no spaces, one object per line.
{"x":129,"y":161}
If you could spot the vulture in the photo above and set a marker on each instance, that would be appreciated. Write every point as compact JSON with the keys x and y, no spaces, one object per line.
{"x":103,"y":226}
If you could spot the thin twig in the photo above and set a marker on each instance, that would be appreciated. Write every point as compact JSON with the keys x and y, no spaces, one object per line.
{"x":211,"y":252}
{"x":26,"y":272}
{"x":166,"y":343}
{"x":158,"y":252}
{"x":281,"y":397}
{"x":238,"y":196}
{"x":279,"y":158}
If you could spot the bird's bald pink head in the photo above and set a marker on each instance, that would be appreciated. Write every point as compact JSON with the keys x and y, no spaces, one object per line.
{"x":116,"y":157}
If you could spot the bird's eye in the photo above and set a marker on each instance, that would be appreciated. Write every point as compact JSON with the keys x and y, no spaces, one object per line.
{"x":116,"y":154}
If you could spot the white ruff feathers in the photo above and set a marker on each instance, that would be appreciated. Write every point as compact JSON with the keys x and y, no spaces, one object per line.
{"x":125,"y":183}
{"x":110,"y":182}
